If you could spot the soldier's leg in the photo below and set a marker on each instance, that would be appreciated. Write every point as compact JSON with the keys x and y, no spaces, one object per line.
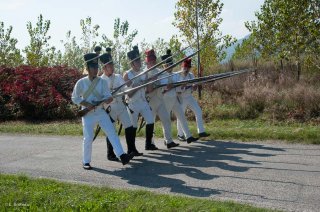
{"x":194,"y":106}
{"x":181,"y":135}
{"x":149,"y":118}
{"x":88,"y":123}
{"x":166,"y":127}
{"x":130,"y":132}
{"x":182,"y":118}
{"x":110,"y":153}
{"x":108,"y":128}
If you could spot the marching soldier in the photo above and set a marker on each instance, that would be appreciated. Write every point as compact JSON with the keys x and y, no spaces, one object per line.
{"x":157,"y":103}
{"x":187,"y":100}
{"x":117,"y":109}
{"x":137,"y":103}
{"x":90,"y":92}
{"x":170,"y":97}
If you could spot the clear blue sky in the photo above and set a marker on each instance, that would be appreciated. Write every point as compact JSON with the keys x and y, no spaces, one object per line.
{"x":152,"y":19}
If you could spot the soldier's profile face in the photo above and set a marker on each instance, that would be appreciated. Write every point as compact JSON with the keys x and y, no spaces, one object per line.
{"x":137,"y":63}
{"x":93,"y":70}
{"x":151,"y":63}
{"x":110,"y":68}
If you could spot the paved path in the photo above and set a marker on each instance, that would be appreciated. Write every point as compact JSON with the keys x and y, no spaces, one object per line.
{"x":280,"y":176}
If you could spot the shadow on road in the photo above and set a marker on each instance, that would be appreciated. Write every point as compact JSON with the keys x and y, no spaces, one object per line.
{"x":159,"y":169}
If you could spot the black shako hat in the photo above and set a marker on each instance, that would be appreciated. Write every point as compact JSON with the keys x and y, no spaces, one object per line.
{"x":106,"y":58}
{"x":133,"y":54}
{"x":167,"y":57}
{"x":91,"y":59}
{"x":108,"y":50}
{"x":97,"y":49}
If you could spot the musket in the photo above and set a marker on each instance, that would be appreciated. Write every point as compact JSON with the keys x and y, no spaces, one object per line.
{"x":86,"y":110}
{"x":226,"y":76}
{"x":120,"y":128}
{"x":145,"y":72}
{"x":177,"y":63}
{"x":156,"y":75}
{"x":142,"y":86}
{"x":142,"y":124}
{"x":206,"y":79}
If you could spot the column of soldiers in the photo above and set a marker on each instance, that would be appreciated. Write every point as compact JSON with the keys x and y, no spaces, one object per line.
{"x":93,"y":92}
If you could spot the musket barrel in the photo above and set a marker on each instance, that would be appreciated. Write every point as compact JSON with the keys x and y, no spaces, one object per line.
{"x":144,"y":72}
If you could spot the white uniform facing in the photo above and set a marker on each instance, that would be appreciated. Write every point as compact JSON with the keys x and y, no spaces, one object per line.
{"x":118,"y":109}
{"x":94,"y":117}
{"x":189,"y":101}
{"x":172,"y":103}
{"x":138,"y":103}
{"x":158,"y":107}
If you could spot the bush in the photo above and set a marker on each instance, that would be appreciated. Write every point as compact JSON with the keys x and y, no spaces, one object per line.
{"x":270,"y":91}
{"x":37,"y":93}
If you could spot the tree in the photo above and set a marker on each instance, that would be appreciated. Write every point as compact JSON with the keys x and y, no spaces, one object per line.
{"x":89,"y":34}
{"x":159,"y":45}
{"x":39,"y":53}
{"x":120,"y":44}
{"x":246,"y":50}
{"x":288,"y":29}
{"x":208,"y":23}
{"x":73,"y":55}
{"x":9,"y":55}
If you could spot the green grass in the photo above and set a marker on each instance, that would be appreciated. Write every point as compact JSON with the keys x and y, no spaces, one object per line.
{"x":21,"y":193}
{"x":242,"y":130}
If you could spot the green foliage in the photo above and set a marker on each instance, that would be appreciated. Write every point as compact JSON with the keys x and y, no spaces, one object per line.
{"x":160,"y":46}
{"x":73,"y":55}
{"x":120,"y":44}
{"x":246,"y":50}
{"x":89,"y":34}
{"x":288,"y":29}
{"x":208,"y":26}
{"x":9,"y":55}
{"x":175,"y":45}
{"x":38,"y":52}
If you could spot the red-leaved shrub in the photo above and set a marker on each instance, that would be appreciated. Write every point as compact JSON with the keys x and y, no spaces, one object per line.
{"x":37,"y":93}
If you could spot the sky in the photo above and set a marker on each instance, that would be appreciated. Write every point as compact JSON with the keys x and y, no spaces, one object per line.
{"x":152,"y":19}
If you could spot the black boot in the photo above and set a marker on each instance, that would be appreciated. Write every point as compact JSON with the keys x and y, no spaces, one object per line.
{"x":130,"y":134}
{"x":110,"y":154}
{"x":125,"y":158}
{"x":149,"y":135}
{"x":191,"y":139}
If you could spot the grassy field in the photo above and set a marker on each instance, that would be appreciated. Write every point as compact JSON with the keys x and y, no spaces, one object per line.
{"x":248,"y":130}
{"x":20,"y":193}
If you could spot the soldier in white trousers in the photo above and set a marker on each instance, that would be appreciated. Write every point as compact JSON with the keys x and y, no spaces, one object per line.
{"x":90,"y":92}
{"x":137,"y":103}
{"x":156,"y":101}
{"x":170,"y":97}
{"x":117,"y":109}
{"x":188,"y":101}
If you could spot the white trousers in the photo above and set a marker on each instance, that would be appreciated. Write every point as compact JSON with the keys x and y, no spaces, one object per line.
{"x":173,"y":105}
{"x":158,"y":108}
{"x":89,"y":121}
{"x":119,"y":112}
{"x":140,"y":107}
{"x":190,"y":102}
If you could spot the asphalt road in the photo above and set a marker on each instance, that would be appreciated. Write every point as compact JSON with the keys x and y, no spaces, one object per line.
{"x":273,"y":175}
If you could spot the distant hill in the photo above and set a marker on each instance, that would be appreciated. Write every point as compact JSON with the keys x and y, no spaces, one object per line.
{"x":231,"y":49}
